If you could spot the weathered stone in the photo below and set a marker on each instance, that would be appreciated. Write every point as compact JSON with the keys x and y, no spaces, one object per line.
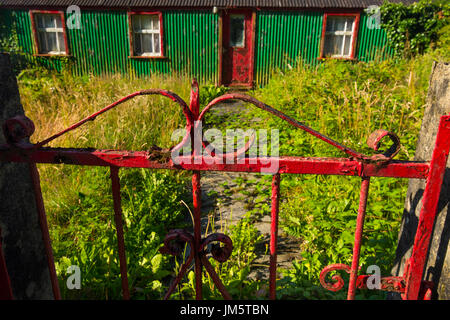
{"x":22,"y":238}
{"x":438,"y":264}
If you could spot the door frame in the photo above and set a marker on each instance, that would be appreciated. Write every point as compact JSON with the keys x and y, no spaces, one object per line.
{"x":250,"y":84}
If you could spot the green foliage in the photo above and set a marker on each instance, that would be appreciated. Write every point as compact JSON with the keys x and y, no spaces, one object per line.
{"x":412,"y":29}
{"x":345,"y":101}
{"x":8,"y":39}
{"x":210,"y":92}
{"x":9,"y":43}
{"x":83,"y":233}
{"x":234,"y":272}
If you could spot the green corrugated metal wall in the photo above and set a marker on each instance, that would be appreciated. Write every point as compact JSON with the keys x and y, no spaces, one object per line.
{"x":372,"y":42}
{"x":282,"y":39}
{"x":101,"y":46}
{"x":285,"y":38}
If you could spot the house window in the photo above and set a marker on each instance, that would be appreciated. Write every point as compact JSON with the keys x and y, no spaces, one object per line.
{"x":146,"y":35}
{"x":49,"y":33}
{"x":339,"y":35}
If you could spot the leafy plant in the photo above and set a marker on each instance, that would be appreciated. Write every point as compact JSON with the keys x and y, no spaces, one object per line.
{"x":210,"y":92}
{"x":414,"y":28}
{"x":233,"y":272}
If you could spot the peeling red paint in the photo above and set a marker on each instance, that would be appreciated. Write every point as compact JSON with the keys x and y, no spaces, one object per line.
{"x":237,"y":62}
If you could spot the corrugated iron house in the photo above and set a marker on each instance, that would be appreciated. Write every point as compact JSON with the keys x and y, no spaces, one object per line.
{"x":229,"y":42}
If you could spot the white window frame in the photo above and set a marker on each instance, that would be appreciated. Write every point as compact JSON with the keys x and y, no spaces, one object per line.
{"x":46,"y":31}
{"x":141,"y":31}
{"x":352,"y":34}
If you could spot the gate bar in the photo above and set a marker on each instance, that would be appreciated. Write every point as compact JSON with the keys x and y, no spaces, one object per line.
{"x":291,"y":165}
{"x":274,"y":235}
{"x":358,"y":235}
{"x":197,"y":202}
{"x":414,"y":271}
{"x":215,"y":278}
{"x":194,"y":107}
{"x":119,"y":230}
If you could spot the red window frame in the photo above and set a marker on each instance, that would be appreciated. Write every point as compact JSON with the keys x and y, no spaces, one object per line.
{"x":357,"y":16}
{"x":35,"y":36}
{"x":131,"y":36}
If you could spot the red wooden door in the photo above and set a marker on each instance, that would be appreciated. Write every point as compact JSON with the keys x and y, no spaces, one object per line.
{"x":237,"y":60}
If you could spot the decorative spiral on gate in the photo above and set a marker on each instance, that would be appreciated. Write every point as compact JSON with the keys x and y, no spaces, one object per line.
{"x":374,"y":142}
{"x":218,"y":252}
{"x":219,"y":245}
{"x":338,"y":282}
{"x":194,"y":119}
{"x":175,"y":241}
{"x":18,"y":128}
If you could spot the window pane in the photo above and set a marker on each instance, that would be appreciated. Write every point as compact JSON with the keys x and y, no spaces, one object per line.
{"x":339,"y":23}
{"x":39,"y":21}
{"x":146,"y":22}
{"x":332,"y":45}
{"x":330,"y":24}
{"x":350,"y":21}
{"x":136,"y":22}
{"x":147,"y":45}
{"x":137,"y":44}
{"x":42,"y":43}
{"x":58,"y":21}
{"x":347,"y":45}
{"x":62,"y":44}
{"x":155,"y":19}
{"x":237,"y":31}
{"x":51,"y":41}
{"x":157,"y":43}
{"x":49,"y":21}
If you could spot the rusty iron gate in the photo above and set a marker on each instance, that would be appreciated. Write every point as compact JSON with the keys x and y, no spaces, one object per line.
{"x":411,"y":286}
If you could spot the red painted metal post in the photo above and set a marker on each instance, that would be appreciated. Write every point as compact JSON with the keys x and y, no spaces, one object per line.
{"x":44,"y":229}
{"x":274,"y":235}
{"x":5,"y":283}
{"x":119,"y":230}
{"x":197,"y":202}
{"x":196,"y":193}
{"x":358,"y":236}
{"x":415,"y":269}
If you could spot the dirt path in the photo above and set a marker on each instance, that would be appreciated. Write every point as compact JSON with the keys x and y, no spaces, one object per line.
{"x":228,"y":196}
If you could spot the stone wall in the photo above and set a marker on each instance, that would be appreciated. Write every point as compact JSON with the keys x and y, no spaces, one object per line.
{"x":23,"y":246}
{"x":438,"y":264}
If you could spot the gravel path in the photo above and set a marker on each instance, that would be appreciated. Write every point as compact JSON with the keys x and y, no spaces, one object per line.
{"x":225,"y":199}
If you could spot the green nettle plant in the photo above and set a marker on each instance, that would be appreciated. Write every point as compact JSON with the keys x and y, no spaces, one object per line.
{"x":415,"y":28}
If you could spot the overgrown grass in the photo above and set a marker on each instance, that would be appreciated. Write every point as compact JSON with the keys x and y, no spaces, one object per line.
{"x":78,"y":199}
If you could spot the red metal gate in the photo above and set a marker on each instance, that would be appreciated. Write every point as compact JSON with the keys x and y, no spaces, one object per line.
{"x":17,"y":131}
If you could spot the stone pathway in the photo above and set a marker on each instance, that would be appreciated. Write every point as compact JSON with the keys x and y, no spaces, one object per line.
{"x":226,"y":200}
